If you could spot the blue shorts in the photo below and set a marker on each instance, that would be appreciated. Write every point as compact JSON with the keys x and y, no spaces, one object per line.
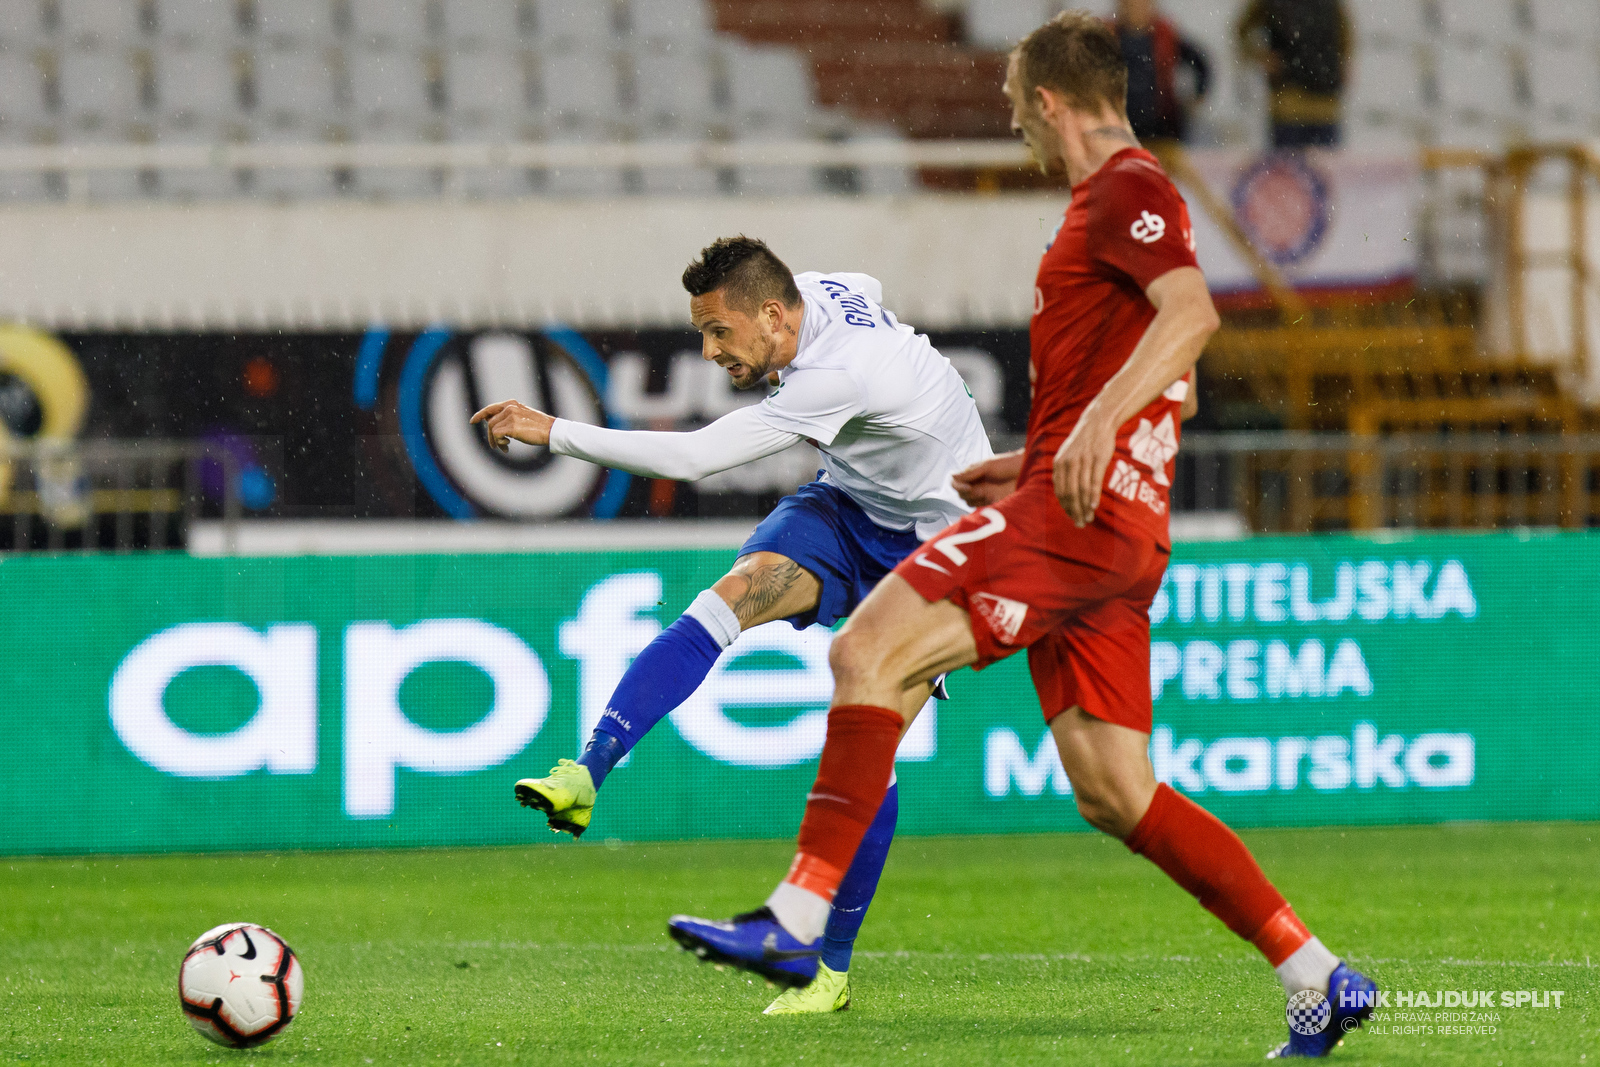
{"x":828,"y":534}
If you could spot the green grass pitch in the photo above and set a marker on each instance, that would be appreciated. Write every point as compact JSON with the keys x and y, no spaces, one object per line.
{"x":1006,"y":949}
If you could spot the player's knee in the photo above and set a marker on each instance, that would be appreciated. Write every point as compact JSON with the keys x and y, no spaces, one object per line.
{"x":852,"y":656}
{"x":1106,"y":808}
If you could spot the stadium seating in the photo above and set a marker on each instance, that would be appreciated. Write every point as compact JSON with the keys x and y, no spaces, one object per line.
{"x":1460,"y":73}
{"x":196,"y":22}
{"x":99,"y":23}
{"x":393,"y":71}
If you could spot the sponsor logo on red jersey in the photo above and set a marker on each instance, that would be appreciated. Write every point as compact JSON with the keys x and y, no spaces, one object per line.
{"x":1148,"y":227}
{"x":1155,"y":445}
{"x":1126,"y":483}
{"x":1003,"y":615}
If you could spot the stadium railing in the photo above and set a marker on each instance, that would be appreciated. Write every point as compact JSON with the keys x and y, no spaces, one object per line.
{"x":1296,"y":482}
{"x":72,"y":164}
{"x":114,"y":495}
{"x":136,"y":495}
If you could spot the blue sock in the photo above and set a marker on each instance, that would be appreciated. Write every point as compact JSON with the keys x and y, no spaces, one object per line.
{"x":662,"y":676}
{"x":860,"y":883}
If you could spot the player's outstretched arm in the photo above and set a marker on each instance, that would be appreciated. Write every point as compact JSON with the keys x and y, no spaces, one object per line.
{"x":1185,"y":320}
{"x":989,"y":481}
{"x":737,"y":438}
{"x":513,"y":420}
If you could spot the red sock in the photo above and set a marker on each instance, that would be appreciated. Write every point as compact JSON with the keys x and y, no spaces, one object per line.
{"x":857,"y":762}
{"x":1206,"y":858}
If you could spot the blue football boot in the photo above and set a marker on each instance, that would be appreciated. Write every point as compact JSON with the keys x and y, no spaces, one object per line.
{"x":1318,"y":1022}
{"x":754,"y":941}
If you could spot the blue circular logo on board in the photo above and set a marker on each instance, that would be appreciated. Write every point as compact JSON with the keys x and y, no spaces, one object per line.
{"x":1282,"y":204}
{"x":445,"y":377}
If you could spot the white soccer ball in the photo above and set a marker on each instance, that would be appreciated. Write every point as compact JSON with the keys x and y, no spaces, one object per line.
{"x":240,"y":984}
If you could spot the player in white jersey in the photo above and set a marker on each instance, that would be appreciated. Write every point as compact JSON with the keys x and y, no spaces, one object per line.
{"x":893,"y":421}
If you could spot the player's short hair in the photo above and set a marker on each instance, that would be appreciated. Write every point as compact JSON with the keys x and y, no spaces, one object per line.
{"x":1078,"y":56}
{"x":745,"y":270}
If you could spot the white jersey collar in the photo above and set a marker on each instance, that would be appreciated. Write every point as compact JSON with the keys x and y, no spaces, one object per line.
{"x":811,"y":326}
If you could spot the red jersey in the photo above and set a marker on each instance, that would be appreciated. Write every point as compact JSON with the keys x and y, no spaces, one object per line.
{"x":1126,"y":226}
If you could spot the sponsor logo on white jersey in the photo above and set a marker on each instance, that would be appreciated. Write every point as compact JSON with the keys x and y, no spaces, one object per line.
{"x":1003,"y":615}
{"x":1154,"y":445}
{"x":1148,"y":227}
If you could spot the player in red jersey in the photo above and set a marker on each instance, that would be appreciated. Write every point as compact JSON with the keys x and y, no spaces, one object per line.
{"x":1064,"y":554}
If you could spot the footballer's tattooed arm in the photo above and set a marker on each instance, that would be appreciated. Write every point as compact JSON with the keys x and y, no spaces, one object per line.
{"x":764,"y":586}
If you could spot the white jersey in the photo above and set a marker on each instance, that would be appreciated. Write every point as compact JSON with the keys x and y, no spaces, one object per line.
{"x":890,"y":415}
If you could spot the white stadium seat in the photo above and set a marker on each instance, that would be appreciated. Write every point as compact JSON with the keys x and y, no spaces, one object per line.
{"x":1391,"y":20}
{"x":483,"y":23}
{"x":390,"y":23}
{"x":1385,"y":81}
{"x":670,"y":23}
{"x":388,"y":87}
{"x":883,"y":181}
{"x":1376,"y":133}
{"x":1486,"y":22}
{"x":197,"y":21}
{"x":399,"y":183}
{"x":196,"y":84}
{"x":769,"y":87}
{"x":1209,"y":24}
{"x":22,"y":26}
{"x":773,"y":181}
{"x":486,"y":92}
{"x":100,"y":90}
{"x":570,"y":24}
{"x":203,"y":184}
{"x":308,"y":21}
{"x":674,"y":93}
{"x":296,"y":89}
{"x":1565,"y":127}
{"x":1002,"y":23}
{"x":23,"y":106}
{"x":678,"y":181}
{"x":1572,"y":22}
{"x":579,"y":90}
{"x":1485,"y":134}
{"x":108,"y":184}
{"x":99,"y":23}
{"x":1475,"y":81}
{"x":581,"y":181}
{"x":1566,"y":81}
{"x":291,"y":183}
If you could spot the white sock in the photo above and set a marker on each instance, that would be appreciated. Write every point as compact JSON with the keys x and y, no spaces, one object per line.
{"x":712,"y":612}
{"x":800,"y":911}
{"x":1309,"y":967}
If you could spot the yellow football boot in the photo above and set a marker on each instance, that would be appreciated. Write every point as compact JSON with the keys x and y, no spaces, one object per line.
{"x":566,"y":796}
{"x":828,"y":991}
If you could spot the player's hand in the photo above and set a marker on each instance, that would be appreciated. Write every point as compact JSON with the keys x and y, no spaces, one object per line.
{"x":989,"y":481}
{"x":1080,"y":466}
{"x":513,"y":420}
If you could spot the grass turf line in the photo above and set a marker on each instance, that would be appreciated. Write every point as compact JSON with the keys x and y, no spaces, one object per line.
{"x":1007,"y":949}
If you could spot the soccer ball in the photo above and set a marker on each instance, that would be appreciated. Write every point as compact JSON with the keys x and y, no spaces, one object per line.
{"x":240,"y":984}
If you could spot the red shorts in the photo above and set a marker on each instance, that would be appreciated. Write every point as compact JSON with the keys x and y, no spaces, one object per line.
{"x":1077,"y":600}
